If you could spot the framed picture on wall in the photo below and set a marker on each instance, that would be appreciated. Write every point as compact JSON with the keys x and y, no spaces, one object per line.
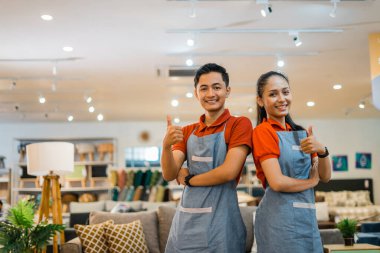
{"x":340,"y":163}
{"x":363,"y":160}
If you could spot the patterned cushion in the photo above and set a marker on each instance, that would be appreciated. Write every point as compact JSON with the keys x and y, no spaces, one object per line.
{"x":92,"y":237}
{"x":126,"y":238}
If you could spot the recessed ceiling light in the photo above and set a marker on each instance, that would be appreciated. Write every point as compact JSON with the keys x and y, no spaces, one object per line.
{"x":190,"y":42}
{"x":250,"y":109}
{"x":280,"y":63}
{"x":174,"y":102}
{"x":177,"y":120}
{"x":70,"y":118}
{"x":189,"y":62}
{"x":100,"y":117}
{"x":68,"y":49}
{"x":361,"y":105}
{"x":310,"y":103}
{"x":189,"y":94}
{"x":88,"y":100}
{"x":42,"y":99}
{"x":46,"y":17}
{"x":91,"y":109}
{"x":337,"y":86}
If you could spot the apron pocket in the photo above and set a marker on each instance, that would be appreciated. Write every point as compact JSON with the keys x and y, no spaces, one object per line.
{"x":193,"y":227}
{"x":304,"y":219}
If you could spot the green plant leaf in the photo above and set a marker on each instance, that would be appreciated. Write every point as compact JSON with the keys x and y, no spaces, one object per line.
{"x":347,"y":227}
{"x":22,"y":214}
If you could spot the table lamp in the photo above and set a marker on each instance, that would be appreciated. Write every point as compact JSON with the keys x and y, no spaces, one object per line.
{"x":50,"y":160}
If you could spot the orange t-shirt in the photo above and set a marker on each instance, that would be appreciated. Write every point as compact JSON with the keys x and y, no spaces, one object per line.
{"x":266,"y":144}
{"x":238,"y":131}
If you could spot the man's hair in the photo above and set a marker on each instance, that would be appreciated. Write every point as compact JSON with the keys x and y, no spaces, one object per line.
{"x":211,"y":67}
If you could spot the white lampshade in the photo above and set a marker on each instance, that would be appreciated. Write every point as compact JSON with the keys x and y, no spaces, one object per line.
{"x":44,"y":157}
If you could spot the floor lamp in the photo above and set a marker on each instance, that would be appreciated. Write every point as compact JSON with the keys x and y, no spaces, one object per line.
{"x":50,"y":160}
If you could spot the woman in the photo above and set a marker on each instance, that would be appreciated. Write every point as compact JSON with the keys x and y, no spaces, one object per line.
{"x":289,"y":162}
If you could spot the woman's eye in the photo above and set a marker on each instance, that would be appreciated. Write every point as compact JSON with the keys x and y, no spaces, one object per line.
{"x":272,"y":94}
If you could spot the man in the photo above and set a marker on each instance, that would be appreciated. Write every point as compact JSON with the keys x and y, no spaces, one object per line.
{"x":208,"y":218}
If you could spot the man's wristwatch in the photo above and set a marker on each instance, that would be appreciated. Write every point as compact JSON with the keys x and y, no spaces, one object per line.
{"x":187,"y":179}
{"x":325,"y":154}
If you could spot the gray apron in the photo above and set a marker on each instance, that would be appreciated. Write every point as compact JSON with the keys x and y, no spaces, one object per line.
{"x":208,"y":219}
{"x":286,"y":222}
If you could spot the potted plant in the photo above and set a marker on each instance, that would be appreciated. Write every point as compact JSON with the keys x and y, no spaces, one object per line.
{"x":20,"y":234}
{"x":348,"y":229}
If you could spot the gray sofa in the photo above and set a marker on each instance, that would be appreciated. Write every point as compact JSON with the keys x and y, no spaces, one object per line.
{"x":156,"y":226}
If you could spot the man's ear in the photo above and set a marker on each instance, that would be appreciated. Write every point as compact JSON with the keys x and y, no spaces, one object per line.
{"x":228,"y":91}
{"x":260,"y":101}
{"x":195,"y":93}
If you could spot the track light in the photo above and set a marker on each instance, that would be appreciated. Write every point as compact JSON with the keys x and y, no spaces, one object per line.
{"x":362,"y":105}
{"x":174,"y":102}
{"x":297,"y":41}
{"x":266,"y":10}
{"x":333,"y":11}
{"x":91,"y":109}
{"x":88,"y":99}
{"x":192,"y":12}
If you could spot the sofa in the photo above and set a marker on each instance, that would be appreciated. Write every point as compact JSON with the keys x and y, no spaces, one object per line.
{"x":156,"y":226}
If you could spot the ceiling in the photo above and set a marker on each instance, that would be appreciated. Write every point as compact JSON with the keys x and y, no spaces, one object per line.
{"x":123,"y":50}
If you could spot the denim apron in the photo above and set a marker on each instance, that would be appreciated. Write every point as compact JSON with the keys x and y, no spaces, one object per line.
{"x":286,"y":222}
{"x":208,"y":219}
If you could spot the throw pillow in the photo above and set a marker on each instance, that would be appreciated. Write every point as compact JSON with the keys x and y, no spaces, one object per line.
{"x":322,"y":211}
{"x":148,"y":219}
{"x":92,"y":237}
{"x":126,"y":238}
{"x":165,"y":218}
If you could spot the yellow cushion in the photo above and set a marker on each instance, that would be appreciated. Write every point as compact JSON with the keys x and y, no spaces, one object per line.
{"x":126,"y":238}
{"x":92,"y":237}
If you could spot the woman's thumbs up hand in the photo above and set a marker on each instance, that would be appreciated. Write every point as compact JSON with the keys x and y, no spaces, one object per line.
{"x":310,"y":144}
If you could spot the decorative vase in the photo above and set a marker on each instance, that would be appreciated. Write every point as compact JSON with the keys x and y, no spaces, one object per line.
{"x":349,"y":241}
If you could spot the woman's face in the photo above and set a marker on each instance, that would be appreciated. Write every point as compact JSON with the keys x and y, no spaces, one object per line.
{"x":276,"y":98}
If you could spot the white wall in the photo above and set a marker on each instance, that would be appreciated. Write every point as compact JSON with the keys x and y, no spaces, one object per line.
{"x":343,"y":137}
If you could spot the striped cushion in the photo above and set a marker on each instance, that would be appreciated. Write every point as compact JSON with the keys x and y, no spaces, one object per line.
{"x":92,"y":237}
{"x":126,"y":238}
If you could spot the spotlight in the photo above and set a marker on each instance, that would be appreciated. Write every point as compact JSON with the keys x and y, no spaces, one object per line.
{"x":265,"y":11}
{"x":310,"y":103}
{"x":91,"y":109}
{"x":337,"y":86}
{"x":189,"y":94}
{"x":250,"y":109}
{"x":176,"y":120}
{"x":297,"y":41}
{"x":53,"y":86}
{"x":361,"y":105}
{"x":67,"y":49}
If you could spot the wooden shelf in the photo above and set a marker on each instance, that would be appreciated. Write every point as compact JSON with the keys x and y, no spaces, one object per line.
{"x":71,"y":189}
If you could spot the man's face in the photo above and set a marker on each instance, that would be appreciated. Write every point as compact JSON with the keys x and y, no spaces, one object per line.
{"x":211,"y":91}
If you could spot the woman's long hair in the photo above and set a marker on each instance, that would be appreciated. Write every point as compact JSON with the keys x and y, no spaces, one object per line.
{"x":261,"y":112}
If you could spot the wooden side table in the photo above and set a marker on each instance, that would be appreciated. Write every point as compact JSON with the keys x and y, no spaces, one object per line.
{"x":357,"y":248}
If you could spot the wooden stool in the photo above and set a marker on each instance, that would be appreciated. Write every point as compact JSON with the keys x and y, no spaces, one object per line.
{"x":85,"y":149}
{"x":104,"y":149}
